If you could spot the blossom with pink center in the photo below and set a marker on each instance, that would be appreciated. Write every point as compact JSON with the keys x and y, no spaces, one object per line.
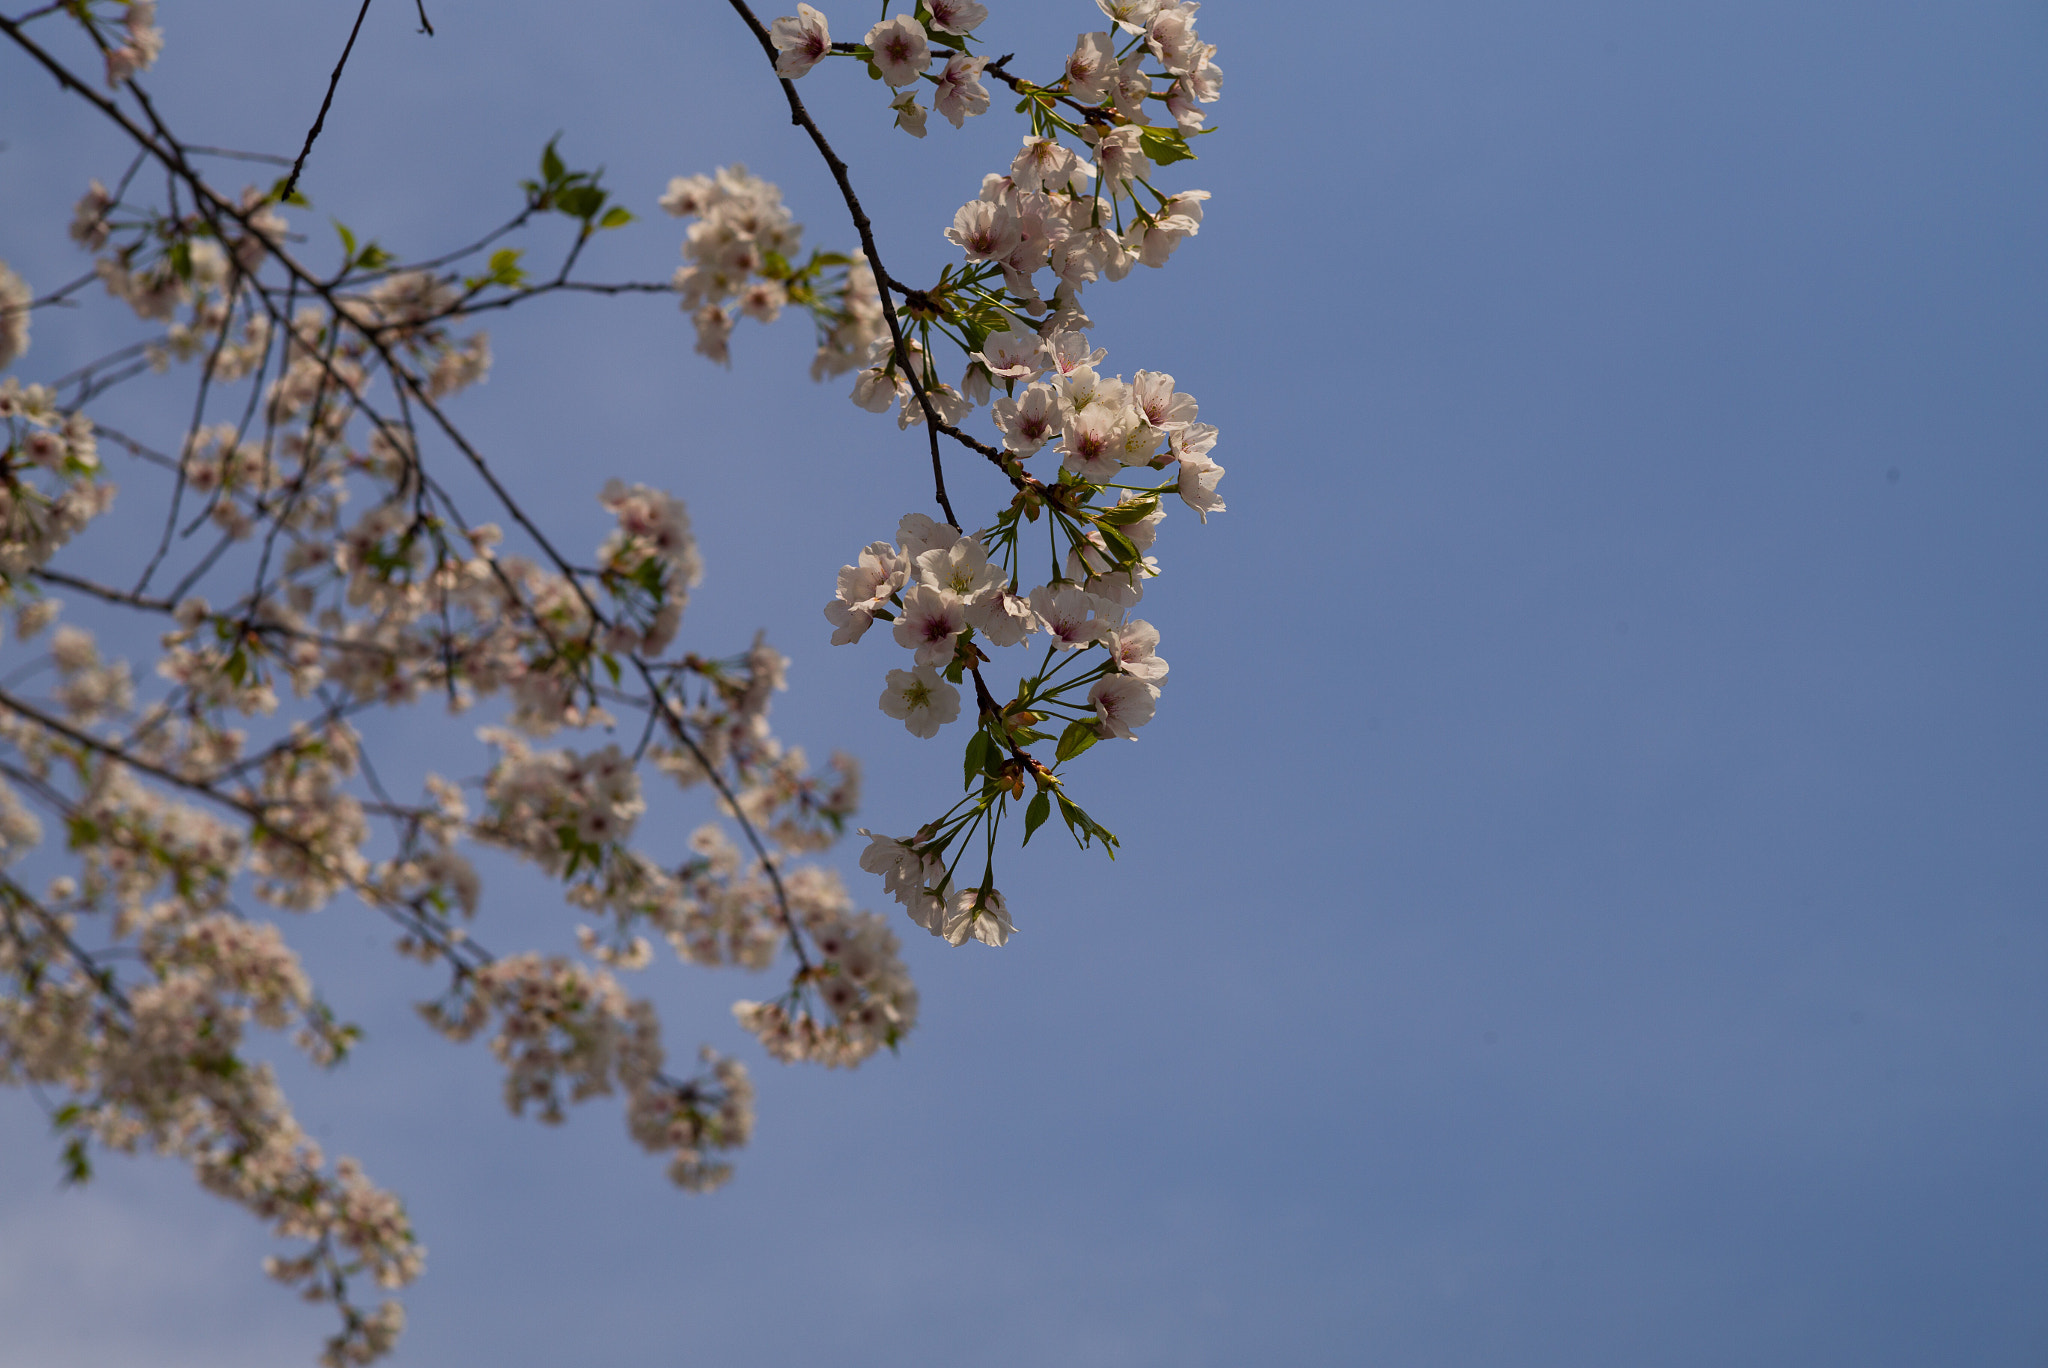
{"x":985,"y":231}
{"x":1153,"y":394}
{"x":932,"y":621}
{"x":803,"y":40}
{"x":1046,"y":165}
{"x":1013,"y":354}
{"x":1092,"y":444}
{"x":1069,"y":351}
{"x":961,"y":94}
{"x":1122,"y":704}
{"x":1028,"y":421}
{"x":902,"y":51}
{"x":1003,"y":617}
{"x":1091,"y":67}
{"x":1070,"y":615}
{"x":1131,"y":647}
{"x":1122,"y":157}
{"x":957,"y":16}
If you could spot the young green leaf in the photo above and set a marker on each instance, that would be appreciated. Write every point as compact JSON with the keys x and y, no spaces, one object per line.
{"x":1078,"y":736}
{"x":1165,"y":146}
{"x":976,"y":758}
{"x":1035,"y":815}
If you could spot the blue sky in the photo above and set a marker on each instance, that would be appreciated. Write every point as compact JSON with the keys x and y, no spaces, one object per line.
{"x":1583,"y":894}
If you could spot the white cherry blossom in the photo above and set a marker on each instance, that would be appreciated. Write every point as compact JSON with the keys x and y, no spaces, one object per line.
{"x":1071,"y":616}
{"x":902,"y":51}
{"x":804,"y":40}
{"x":1122,"y":703}
{"x":921,"y":700}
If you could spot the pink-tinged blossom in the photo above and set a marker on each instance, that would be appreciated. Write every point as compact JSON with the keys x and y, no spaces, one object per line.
{"x":14,"y":301}
{"x":714,"y":330}
{"x":902,"y":51}
{"x":802,"y":40}
{"x":1003,"y":617}
{"x":1046,"y":165}
{"x":1199,"y":87}
{"x":921,"y":700}
{"x":917,"y":534}
{"x":902,"y":869}
{"x":983,"y":916}
{"x":863,"y":588}
{"x":975,"y":386}
{"x":1150,"y":244}
{"x":1081,"y":388}
{"x":961,"y":570}
{"x":1129,"y":15}
{"x":1132,"y":647}
{"x":1198,"y":474}
{"x":1171,"y":36}
{"x":960,"y":17}
{"x":1091,"y":67}
{"x":1122,"y":704}
{"x":910,"y":115}
{"x":1091,"y":445}
{"x":875,"y":389}
{"x":1069,"y":351}
{"x":961,"y":95}
{"x":948,"y":404}
{"x":763,"y":300}
{"x":1122,"y":158}
{"x":145,"y":43}
{"x":1028,"y":421}
{"x":1013,"y":355}
{"x":985,"y":231}
{"x":1070,"y":615}
{"x":89,"y":227}
{"x":931,"y":623}
{"x":1153,"y":394}
{"x":1090,"y":564}
{"x":1131,"y":89}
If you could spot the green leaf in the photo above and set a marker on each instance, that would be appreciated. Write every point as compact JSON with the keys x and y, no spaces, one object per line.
{"x":976,"y":758}
{"x":348,"y":243}
{"x":1123,"y":548}
{"x":551,"y":167}
{"x":1035,"y":815}
{"x":77,"y":1167}
{"x":1078,"y":736}
{"x":618,"y":216}
{"x":1124,"y":514}
{"x":505,"y":268}
{"x":1165,"y":146}
{"x":580,"y":201}
{"x":373,"y":256}
{"x":297,"y":198}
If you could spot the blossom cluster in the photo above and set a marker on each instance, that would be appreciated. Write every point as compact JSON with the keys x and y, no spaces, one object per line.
{"x":741,"y":258}
{"x":310,"y":557}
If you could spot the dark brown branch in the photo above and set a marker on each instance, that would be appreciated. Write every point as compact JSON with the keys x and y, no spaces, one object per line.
{"x":320,"y":120}
{"x":801,"y":117}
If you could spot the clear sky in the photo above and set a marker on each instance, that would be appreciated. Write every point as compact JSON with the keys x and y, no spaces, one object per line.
{"x":1583,"y":894}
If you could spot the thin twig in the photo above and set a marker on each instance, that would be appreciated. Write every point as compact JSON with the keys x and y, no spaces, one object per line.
{"x":292,"y":181}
